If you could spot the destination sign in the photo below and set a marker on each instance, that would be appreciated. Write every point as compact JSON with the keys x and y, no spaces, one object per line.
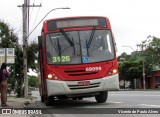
{"x":77,"y":23}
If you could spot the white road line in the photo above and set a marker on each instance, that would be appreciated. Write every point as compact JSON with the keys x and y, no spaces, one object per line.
{"x":149,"y":105}
{"x":91,"y":99}
{"x":115,"y":102}
{"x":131,"y":95}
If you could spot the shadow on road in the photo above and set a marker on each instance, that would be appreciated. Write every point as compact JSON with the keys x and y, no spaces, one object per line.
{"x":74,"y":103}
{"x":69,"y":103}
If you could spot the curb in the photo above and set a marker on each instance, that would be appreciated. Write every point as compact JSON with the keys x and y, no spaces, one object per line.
{"x":21,"y":102}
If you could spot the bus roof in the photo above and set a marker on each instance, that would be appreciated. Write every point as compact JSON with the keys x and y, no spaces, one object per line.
{"x":75,"y":22}
{"x":74,"y":17}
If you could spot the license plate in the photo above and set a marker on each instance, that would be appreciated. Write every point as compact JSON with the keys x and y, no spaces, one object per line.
{"x":84,"y":83}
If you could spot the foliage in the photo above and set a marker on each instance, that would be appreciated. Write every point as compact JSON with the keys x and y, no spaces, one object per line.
{"x":33,"y":81}
{"x":31,"y":55}
{"x":19,"y":74}
{"x":130,"y":66}
{"x":129,"y":70}
{"x":152,"y":52}
{"x":123,"y":57}
{"x":10,"y":40}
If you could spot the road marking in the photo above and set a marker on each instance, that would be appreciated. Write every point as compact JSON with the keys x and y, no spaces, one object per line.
{"x":91,"y":99}
{"x":115,"y":102}
{"x":149,"y":105}
{"x":131,"y":95}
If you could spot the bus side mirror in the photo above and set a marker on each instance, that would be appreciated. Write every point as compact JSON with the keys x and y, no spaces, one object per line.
{"x":40,"y":42}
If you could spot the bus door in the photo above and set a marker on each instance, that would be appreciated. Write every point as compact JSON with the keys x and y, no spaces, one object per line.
{"x":42,"y":81}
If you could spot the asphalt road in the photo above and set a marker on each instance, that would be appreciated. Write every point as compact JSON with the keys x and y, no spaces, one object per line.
{"x":119,"y":103}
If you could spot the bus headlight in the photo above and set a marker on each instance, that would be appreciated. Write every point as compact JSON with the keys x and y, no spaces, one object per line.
{"x":53,"y":76}
{"x":112,"y":72}
{"x":49,"y":76}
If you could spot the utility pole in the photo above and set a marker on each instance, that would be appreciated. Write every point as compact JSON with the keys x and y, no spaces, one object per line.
{"x":25,"y":12}
{"x":144,"y":75}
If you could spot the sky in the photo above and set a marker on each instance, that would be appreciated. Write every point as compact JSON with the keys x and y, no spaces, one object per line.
{"x":131,"y":20}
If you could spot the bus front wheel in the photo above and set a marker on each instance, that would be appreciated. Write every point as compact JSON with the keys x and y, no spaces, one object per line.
{"x":102,"y":97}
{"x":49,"y":101}
{"x":42,"y":98}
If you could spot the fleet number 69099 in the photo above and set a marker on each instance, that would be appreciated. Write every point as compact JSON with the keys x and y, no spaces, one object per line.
{"x":98,"y":68}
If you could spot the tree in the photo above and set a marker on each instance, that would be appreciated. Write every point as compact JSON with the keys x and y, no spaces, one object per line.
{"x":10,"y":40}
{"x":19,"y":74}
{"x":31,"y":55}
{"x":152,"y":52}
{"x":124,"y":57}
{"x":130,"y":67}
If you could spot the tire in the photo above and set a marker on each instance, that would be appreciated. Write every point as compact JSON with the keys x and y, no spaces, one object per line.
{"x":42,"y":98}
{"x":74,"y":98}
{"x":80,"y":98}
{"x":49,"y":101}
{"x":62,"y":97}
{"x":102,"y":97}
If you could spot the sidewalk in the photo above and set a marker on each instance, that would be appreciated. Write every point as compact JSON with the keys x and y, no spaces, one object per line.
{"x":14,"y":103}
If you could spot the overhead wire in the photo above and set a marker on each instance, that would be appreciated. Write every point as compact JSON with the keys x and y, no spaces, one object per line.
{"x":35,"y":18}
{"x":30,"y":14}
{"x":31,"y":11}
{"x":20,"y":29}
{"x":19,"y":32}
{"x":36,"y":15}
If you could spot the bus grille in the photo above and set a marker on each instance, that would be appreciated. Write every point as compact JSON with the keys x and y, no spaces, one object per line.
{"x":79,"y":72}
{"x":75,"y":87}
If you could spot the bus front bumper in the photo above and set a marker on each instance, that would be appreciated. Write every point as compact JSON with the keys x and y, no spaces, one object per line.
{"x":56,"y":88}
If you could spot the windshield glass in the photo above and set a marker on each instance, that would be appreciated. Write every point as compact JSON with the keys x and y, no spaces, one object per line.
{"x":77,"y":47}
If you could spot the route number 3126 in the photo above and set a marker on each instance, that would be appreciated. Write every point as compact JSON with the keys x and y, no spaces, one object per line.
{"x":56,"y":59}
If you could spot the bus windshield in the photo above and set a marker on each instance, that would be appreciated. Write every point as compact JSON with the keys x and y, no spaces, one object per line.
{"x":77,"y":47}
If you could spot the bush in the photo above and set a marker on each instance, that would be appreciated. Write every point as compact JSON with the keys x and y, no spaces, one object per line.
{"x":33,"y":81}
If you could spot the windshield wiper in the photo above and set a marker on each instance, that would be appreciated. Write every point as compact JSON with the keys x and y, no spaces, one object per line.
{"x":67,"y":38}
{"x":53,"y":44}
{"x":59,"y":49}
{"x":88,"y":43}
{"x":91,"y":38}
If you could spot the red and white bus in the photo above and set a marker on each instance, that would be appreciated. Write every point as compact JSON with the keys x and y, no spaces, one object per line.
{"x":77,"y":59}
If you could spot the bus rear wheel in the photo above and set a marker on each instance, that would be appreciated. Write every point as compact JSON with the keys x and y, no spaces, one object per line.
{"x":49,"y":100}
{"x":102,"y":97}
